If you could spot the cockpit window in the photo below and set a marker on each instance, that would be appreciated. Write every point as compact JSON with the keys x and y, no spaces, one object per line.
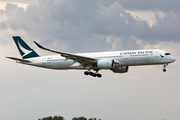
{"x":167,"y":54}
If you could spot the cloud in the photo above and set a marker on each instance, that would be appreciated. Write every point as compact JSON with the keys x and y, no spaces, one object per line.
{"x":166,"y":5}
{"x":19,"y":3}
{"x":148,"y":16}
{"x":80,"y":24}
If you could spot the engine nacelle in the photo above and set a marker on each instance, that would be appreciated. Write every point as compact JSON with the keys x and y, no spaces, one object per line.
{"x":106,"y":64}
{"x":122,"y":69}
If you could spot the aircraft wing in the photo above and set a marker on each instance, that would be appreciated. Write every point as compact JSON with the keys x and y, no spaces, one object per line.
{"x":77,"y":58}
{"x":18,"y":59}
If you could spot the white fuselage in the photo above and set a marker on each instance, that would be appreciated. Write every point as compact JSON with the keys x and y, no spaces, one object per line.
{"x":123,"y":58}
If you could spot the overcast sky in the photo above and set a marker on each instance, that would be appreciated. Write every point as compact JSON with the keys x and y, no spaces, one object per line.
{"x":144,"y":93}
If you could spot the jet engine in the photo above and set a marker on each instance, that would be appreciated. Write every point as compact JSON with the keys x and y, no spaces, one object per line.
{"x":106,"y":64}
{"x":122,"y":69}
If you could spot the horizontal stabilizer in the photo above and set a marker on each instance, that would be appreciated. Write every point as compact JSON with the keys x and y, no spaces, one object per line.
{"x":18,"y":59}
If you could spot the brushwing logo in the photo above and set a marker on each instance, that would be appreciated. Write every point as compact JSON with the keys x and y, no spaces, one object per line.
{"x":25,"y":51}
{"x":161,"y":56}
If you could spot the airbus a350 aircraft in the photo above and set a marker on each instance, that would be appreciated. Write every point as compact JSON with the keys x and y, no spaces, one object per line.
{"x":117,"y":61}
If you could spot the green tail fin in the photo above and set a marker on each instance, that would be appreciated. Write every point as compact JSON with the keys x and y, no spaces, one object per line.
{"x":24,"y":49}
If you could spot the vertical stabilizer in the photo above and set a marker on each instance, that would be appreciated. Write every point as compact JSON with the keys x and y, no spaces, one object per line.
{"x":24,"y":49}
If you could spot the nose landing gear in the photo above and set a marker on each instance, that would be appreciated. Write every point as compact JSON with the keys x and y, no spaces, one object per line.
{"x":164,"y":69}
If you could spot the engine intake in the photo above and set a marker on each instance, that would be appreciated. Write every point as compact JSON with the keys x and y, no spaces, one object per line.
{"x":122,"y":69}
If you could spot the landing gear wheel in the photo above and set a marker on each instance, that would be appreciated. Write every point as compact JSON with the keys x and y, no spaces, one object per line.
{"x":93,"y":74}
{"x":99,"y":75}
{"x":86,"y":73}
{"x":164,"y":69}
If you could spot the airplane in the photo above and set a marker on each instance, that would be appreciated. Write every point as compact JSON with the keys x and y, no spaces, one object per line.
{"x":117,"y":61}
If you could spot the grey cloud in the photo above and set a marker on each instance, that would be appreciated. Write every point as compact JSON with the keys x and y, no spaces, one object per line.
{"x":86,"y":24}
{"x":165,"y":5}
{"x":3,"y":24}
{"x":168,"y":27}
{"x":21,"y":1}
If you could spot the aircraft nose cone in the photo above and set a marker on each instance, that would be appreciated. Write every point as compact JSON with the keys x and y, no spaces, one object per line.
{"x":173,"y":59}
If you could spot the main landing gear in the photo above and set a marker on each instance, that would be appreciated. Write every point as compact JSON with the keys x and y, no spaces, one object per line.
{"x":96,"y":74}
{"x":164,"y":69}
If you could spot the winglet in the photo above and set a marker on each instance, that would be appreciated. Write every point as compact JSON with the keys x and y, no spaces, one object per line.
{"x":38,"y":44}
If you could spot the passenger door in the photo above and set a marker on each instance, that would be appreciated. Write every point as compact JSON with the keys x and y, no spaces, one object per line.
{"x":156,"y":54}
{"x":44,"y":61}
